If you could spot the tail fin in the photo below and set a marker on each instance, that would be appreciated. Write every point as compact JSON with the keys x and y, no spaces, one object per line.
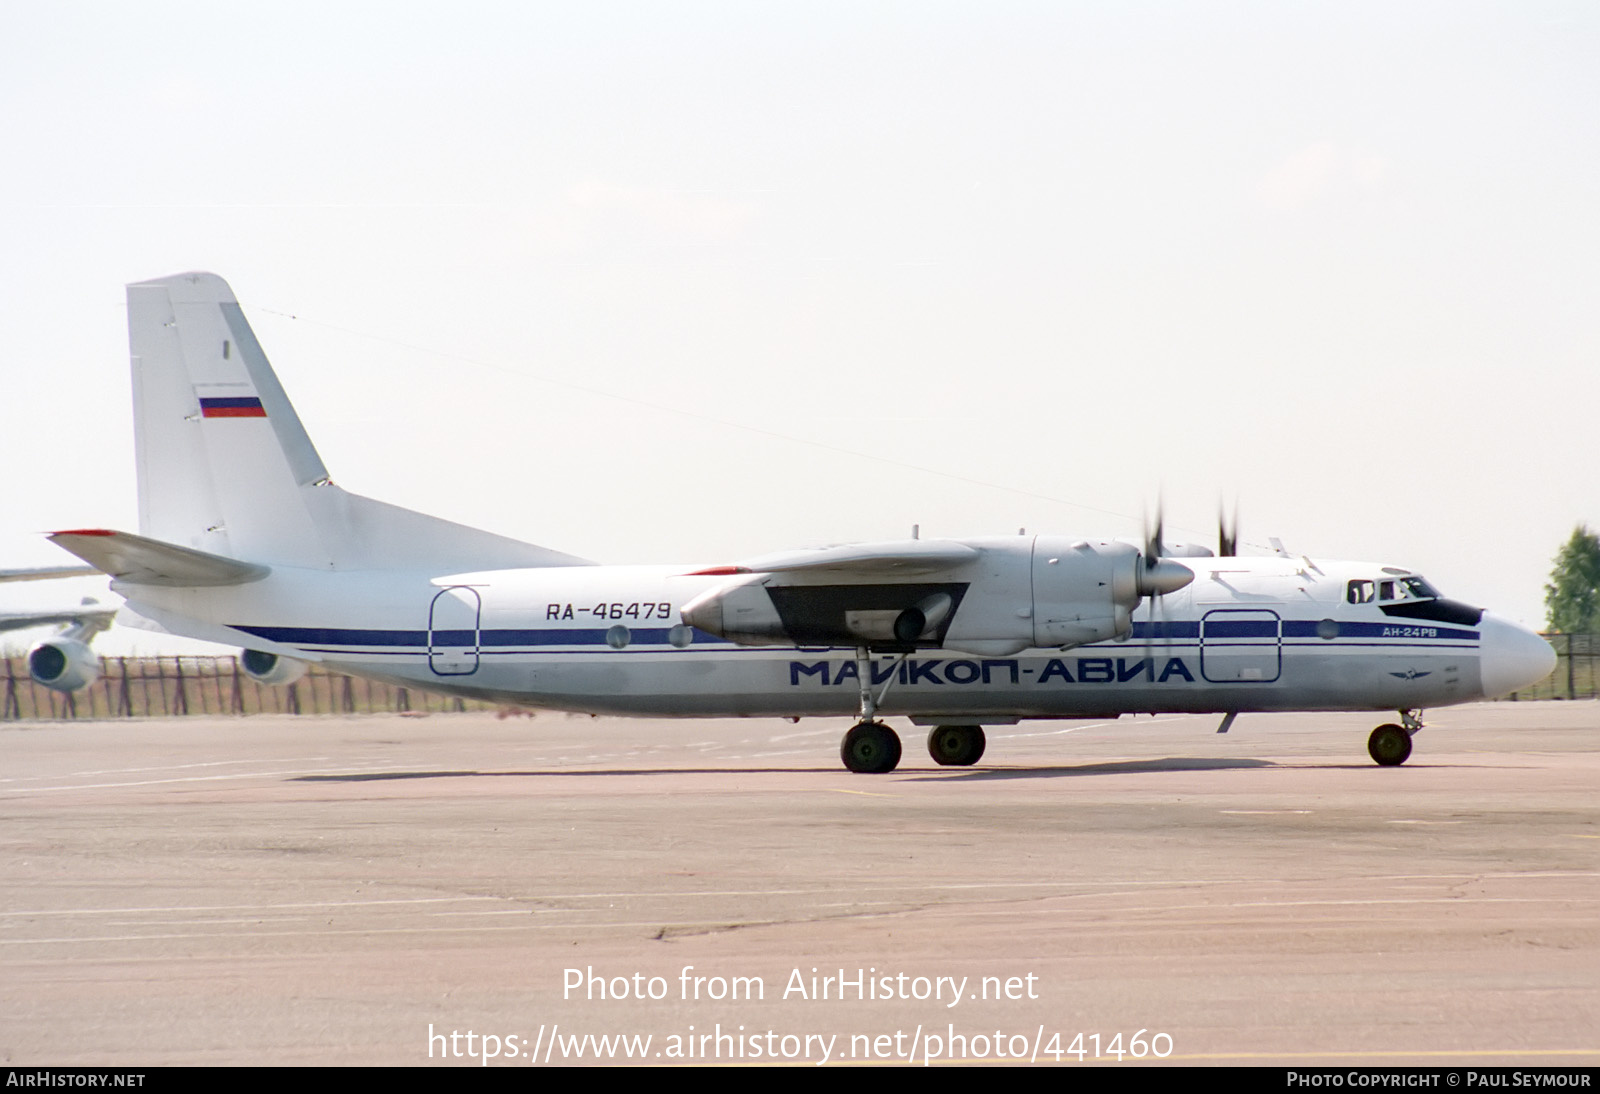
{"x":226,"y":467}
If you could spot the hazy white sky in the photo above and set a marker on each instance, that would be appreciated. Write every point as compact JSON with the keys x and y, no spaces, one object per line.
{"x":694,"y":281}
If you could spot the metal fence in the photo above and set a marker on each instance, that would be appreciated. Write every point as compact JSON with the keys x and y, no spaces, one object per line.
{"x":167,"y":687}
{"x":1577,"y":674}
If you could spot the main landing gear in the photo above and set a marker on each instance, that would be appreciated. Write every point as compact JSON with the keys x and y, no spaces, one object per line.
{"x":956,"y":746}
{"x":1390,"y":745}
{"x":872,"y":748}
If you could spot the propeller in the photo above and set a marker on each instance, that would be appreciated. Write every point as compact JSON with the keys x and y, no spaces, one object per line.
{"x":1227,"y":532}
{"x":1154,"y":545}
{"x":1158,"y":576}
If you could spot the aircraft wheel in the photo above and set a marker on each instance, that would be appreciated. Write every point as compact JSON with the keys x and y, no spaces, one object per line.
{"x":956,"y":746}
{"x":870,"y":748}
{"x":1389,"y":745}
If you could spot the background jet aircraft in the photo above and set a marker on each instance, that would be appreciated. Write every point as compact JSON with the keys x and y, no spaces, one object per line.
{"x":64,"y":662}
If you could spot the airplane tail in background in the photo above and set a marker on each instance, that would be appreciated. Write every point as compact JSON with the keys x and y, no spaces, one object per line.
{"x":225,"y":467}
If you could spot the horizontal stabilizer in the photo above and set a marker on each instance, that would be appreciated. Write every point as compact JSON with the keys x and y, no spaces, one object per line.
{"x":141,"y":561}
{"x":909,"y":556}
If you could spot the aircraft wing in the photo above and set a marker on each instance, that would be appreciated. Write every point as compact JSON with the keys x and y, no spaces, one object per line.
{"x":910,"y":556}
{"x":141,"y":561}
{"x":844,"y":595}
{"x":45,"y":573}
{"x":98,"y":617}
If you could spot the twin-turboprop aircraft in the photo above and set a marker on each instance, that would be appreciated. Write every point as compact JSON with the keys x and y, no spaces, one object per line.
{"x":245,"y":540}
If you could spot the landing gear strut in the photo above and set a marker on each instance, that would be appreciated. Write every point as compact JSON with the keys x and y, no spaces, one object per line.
{"x":1390,"y":744}
{"x":870,"y":747}
{"x":956,"y":746}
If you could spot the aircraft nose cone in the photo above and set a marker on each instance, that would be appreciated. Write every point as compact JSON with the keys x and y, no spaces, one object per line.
{"x":1511,"y":657}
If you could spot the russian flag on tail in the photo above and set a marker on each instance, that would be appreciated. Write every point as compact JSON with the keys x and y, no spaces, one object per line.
{"x":247,"y":406}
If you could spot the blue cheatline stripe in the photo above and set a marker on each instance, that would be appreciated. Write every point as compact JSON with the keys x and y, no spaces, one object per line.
{"x":352,"y":652}
{"x":1299,"y":628}
{"x":585,"y":637}
{"x":1167,"y":629}
{"x":541,"y":637}
{"x":1241,"y":628}
{"x":1306,"y":628}
{"x":336,"y":636}
{"x":340,"y":636}
{"x":588,"y":636}
{"x":1396,"y":645}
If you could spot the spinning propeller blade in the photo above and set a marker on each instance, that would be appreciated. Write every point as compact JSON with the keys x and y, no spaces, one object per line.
{"x":1227,"y":532}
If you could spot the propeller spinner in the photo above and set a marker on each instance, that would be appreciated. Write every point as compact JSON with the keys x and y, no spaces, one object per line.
{"x":1159,"y":576}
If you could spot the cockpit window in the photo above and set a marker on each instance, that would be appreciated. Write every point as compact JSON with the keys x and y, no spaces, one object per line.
{"x":1405,"y":588}
{"x":1362,"y":591}
{"x":1419,"y":588}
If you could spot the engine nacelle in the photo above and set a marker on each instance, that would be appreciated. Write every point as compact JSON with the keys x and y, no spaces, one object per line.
{"x":271,"y":668}
{"x":742,"y":612}
{"x":1086,"y":592}
{"x":63,"y":664}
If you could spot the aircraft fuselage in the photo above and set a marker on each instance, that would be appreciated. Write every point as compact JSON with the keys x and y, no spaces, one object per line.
{"x":1249,"y":634}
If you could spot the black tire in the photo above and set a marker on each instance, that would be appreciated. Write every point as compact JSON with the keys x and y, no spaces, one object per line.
{"x":956,"y":746}
{"x":870,"y":748}
{"x":1389,"y":745}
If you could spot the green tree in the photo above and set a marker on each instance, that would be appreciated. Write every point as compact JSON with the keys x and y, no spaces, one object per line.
{"x":1573,"y":596}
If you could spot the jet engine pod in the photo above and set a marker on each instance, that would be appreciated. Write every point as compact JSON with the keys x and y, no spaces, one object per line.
{"x":271,"y":668}
{"x":921,"y":617}
{"x":902,"y":626}
{"x":63,"y":664}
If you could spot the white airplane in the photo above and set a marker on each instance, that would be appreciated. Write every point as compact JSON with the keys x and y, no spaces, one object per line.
{"x":245,"y":540}
{"x":63,"y":662}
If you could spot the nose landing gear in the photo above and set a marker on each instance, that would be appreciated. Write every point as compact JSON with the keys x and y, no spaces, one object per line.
{"x":1390,"y":744}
